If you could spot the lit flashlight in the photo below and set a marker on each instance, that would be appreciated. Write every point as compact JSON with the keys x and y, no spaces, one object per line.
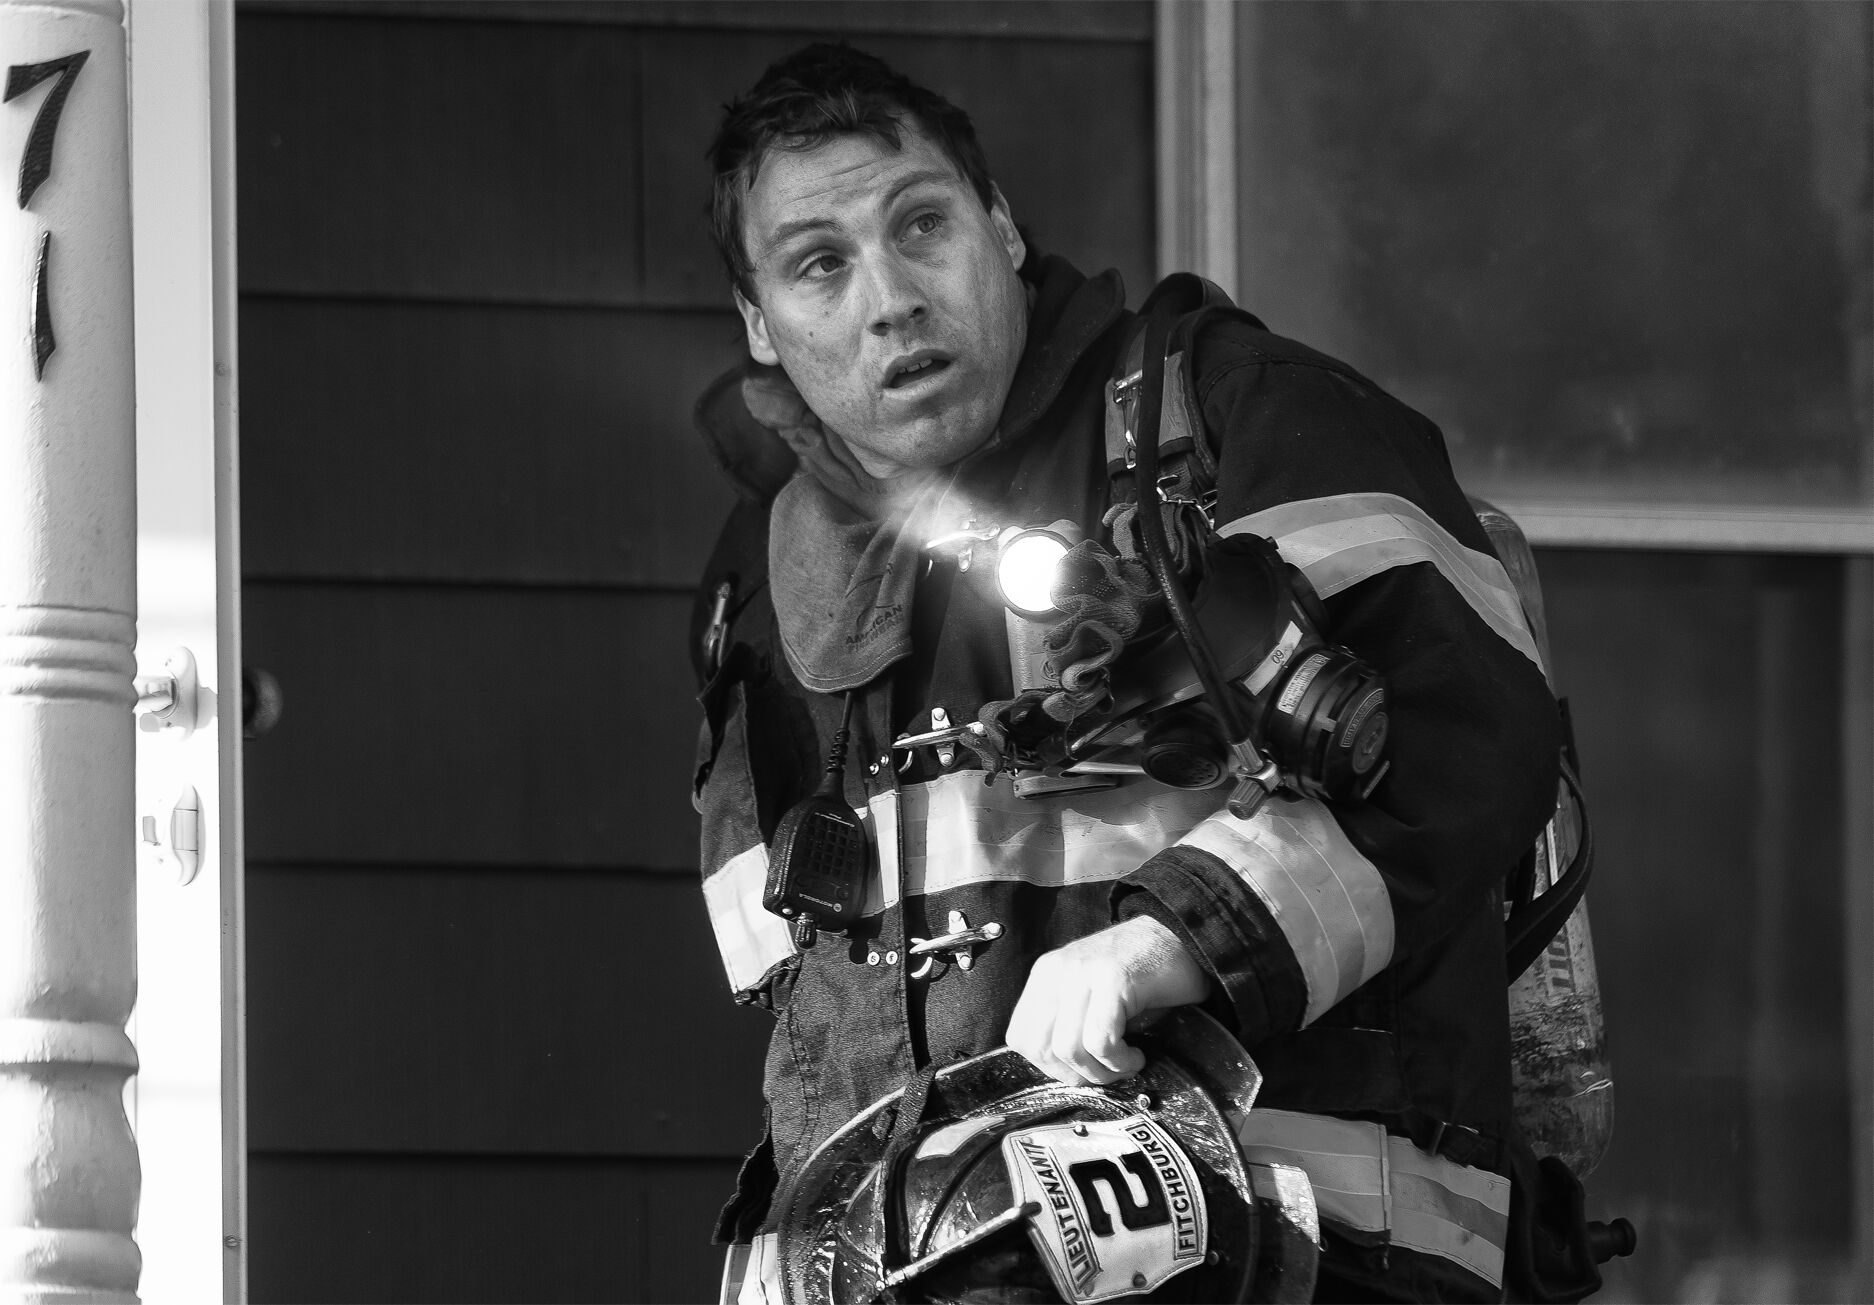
{"x":1028,"y":561}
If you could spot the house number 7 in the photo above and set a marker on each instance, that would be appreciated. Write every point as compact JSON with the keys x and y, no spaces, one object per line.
{"x":35,"y":167}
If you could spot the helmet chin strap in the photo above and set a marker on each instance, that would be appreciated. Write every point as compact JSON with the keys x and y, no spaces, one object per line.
{"x":906,"y":1122}
{"x":906,"y":1118}
{"x":1009,"y":1218}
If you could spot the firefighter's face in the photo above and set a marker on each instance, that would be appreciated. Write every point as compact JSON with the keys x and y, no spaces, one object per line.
{"x":889,"y":295}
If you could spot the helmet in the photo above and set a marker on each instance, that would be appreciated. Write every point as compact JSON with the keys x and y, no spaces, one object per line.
{"x":1010,"y":1187}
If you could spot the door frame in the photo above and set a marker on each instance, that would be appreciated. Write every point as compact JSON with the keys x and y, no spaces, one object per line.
{"x":189,"y":1095}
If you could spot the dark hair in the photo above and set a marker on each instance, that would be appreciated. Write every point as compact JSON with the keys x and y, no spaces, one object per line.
{"x":813,"y":95}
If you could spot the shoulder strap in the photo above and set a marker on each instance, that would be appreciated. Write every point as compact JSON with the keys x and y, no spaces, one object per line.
{"x":1187,"y":462}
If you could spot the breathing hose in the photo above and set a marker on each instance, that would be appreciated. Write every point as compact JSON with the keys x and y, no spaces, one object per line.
{"x":1158,"y":558}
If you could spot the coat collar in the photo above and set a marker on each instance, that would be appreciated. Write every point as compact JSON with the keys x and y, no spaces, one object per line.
{"x":1070,"y":314}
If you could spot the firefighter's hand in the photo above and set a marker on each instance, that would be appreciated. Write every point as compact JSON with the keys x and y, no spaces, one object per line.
{"x":1071,"y":1018}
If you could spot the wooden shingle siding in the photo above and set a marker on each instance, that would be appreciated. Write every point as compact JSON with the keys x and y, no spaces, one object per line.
{"x":563,"y":163}
{"x":465,"y":443}
{"x":469,"y":1229}
{"x":526,"y":1012}
{"x":472,"y":725}
{"x":399,"y":158}
{"x":1128,"y":21}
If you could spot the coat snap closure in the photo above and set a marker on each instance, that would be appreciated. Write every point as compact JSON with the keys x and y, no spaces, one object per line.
{"x":958,"y":945}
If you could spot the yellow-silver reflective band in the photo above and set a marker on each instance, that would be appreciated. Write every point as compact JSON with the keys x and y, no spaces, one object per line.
{"x":1342,"y":540}
{"x":751,"y":1273}
{"x":1258,"y":680}
{"x":1367,"y":1180}
{"x":957,"y":831}
{"x":752,"y":940}
{"x":1344,"y":1159}
{"x":1331,"y":904}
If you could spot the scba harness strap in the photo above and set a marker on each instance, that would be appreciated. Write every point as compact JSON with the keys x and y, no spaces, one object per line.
{"x":1187,"y":464}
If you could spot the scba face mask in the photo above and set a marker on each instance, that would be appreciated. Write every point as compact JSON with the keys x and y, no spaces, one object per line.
{"x":1315,"y":710}
{"x":1011,"y":1187}
{"x":1108,"y":685}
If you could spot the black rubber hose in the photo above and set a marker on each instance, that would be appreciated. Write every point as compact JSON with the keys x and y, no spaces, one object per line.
{"x":1152,"y":532}
{"x":1606,"y":1240}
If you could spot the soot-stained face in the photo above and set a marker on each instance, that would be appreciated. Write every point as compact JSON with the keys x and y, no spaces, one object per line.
{"x":888,"y":294}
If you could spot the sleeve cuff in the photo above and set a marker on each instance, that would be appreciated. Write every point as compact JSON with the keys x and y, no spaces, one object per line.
{"x":1258,"y":985}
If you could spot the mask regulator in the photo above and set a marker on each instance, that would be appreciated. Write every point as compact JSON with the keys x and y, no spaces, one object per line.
{"x":1308,"y":715}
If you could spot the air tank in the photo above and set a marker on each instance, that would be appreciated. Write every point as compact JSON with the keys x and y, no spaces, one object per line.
{"x":1564,"y":1087}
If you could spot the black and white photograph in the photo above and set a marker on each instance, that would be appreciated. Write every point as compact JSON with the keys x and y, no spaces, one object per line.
{"x":815,"y":652}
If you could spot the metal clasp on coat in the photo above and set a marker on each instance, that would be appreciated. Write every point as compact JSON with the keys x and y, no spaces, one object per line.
{"x":958,"y":945}
{"x":1205,"y":503}
{"x":716,"y":634}
{"x":1126,"y":394}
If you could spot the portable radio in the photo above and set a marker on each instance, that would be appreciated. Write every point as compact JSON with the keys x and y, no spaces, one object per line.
{"x":818,"y":857}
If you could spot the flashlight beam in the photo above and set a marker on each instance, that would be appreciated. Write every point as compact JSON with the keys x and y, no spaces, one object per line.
{"x":967,"y":535}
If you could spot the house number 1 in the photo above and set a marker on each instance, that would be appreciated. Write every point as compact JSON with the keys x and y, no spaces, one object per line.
{"x":35,"y":167}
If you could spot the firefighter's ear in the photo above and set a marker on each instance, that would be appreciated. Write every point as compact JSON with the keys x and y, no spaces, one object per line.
{"x":1004,"y":223}
{"x":755,"y":324}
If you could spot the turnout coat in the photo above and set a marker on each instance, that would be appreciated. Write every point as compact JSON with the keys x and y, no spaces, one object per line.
{"x":1356,"y":950}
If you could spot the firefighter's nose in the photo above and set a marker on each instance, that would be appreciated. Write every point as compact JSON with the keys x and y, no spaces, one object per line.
{"x":899,"y":302}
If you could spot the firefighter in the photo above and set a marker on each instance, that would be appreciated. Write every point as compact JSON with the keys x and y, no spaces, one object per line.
{"x":919,"y":373}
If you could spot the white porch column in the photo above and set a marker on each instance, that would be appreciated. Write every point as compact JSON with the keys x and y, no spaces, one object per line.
{"x":68,"y":1164}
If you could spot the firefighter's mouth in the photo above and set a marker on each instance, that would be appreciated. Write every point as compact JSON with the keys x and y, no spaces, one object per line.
{"x":915,"y":370}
